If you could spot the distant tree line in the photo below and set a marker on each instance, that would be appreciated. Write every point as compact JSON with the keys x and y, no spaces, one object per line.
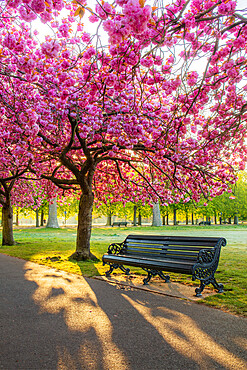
{"x":230,"y":207}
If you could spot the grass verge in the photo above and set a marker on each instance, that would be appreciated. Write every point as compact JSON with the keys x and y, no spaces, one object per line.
{"x":53,"y":247}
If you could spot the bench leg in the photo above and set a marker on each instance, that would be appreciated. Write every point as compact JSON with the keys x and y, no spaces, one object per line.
{"x":125,"y":270}
{"x":108,"y":273}
{"x":148,"y":278}
{"x":217,"y":286}
{"x":164,"y":277}
{"x":112,"y":267}
{"x":152,"y":273}
{"x":203,"y":283}
{"x":115,"y":266}
{"x":200,"y":289}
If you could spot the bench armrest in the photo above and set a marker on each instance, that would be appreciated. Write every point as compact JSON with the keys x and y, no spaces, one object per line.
{"x":207,"y":263}
{"x":115,"y":248}
{"x":206,"y":256}
{"x":209,"y":256}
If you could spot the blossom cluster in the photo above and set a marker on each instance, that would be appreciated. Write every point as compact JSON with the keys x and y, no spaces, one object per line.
{"x":29,"y":10}
{"x":139,"y":111}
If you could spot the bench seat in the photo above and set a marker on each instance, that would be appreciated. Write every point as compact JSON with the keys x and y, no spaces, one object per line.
{"x":195,"y":256}
{"x":159,"y":264}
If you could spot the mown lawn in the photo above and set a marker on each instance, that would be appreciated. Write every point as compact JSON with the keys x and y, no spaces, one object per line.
{"x":53,"y":247}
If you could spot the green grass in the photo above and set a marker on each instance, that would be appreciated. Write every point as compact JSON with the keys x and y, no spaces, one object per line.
{"x":53,"y":247}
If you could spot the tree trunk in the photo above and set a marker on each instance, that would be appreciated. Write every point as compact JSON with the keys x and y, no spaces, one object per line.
{"x":174,"y":216}
{"x":134,"y":216}
{"x":42,"y":218}
{"x":37,"y":217}
{"x":215,"y":218}
{"x":229,"y":220}
{"x":17,"y":217}
{"x":192,"y":218}
{"x":82,"y":252}
{"x":7,"y":223}
{"x":139,"y":219}
{"x":52,"y":217}
{"x":156,"y":215}
{"x":235,"y":220}
{"x":186,"y":219}
{"x":167,"y":219}
{"x":108,"y":220}
{"x":163,"y":220}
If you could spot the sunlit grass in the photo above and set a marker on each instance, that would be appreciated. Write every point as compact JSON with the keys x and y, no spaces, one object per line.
{"x":53,"y":247}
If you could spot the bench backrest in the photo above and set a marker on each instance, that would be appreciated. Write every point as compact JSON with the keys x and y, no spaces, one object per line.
{"x":175,"y":247}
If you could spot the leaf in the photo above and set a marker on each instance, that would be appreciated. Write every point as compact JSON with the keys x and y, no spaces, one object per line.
{"x":142,"y":3}
{"x":154,"y":8}
{"x":82,"y":12}
{"x":79,"y":11}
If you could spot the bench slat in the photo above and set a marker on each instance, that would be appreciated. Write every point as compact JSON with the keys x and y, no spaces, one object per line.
{"x":159,"y":260}
{"x":164,"y":258}
{"x":179,"y":238}
{"x":168,"y":265}
{"x":167,"y":247}
{"x":162,"y":251}
{"x":171,"y":242}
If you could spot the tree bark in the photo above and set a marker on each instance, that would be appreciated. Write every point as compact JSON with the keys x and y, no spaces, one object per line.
{"x":134,"y":216}
{"x":174,"y":216}
{"x":37,"y":217}
{"x":156,"y":215}
{"x":52,"y":217}
{"x":192,"y":218}
{"x":42,"y":218}
{"x":82,"y":252}
{"x":215,"y":218}
{"x":139,"y":219}
{"x":17,"y":217}
{"x":7,"y":223}
{"x":108,"y":220}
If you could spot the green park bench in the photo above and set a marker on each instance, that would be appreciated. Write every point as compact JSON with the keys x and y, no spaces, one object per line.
{"x":195,"y":256}
{"x":120,"y":223}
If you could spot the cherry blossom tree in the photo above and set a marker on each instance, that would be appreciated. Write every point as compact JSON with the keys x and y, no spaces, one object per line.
{"x":160,"y":109}
{"x":14,"y":163}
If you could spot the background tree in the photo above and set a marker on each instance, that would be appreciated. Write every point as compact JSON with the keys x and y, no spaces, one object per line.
{"x":68,"y":206}
{"x":14,"y":163}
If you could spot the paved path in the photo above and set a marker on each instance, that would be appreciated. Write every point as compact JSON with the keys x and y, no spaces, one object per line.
{"x":54,"y":320}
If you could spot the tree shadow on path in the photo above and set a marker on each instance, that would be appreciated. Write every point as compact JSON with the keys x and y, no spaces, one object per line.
{"x":56,"y":320}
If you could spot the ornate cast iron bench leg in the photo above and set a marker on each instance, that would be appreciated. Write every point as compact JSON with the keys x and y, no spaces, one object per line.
{"x":115,"y":266}
{"x":200,"y":289}
{"x":125,"y":270}
{"x":217,"y":286}
{"x":112,"y":267}
{"x":152,"y":273}
{"x":205,"y":282}
{"x":164,"y":277}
